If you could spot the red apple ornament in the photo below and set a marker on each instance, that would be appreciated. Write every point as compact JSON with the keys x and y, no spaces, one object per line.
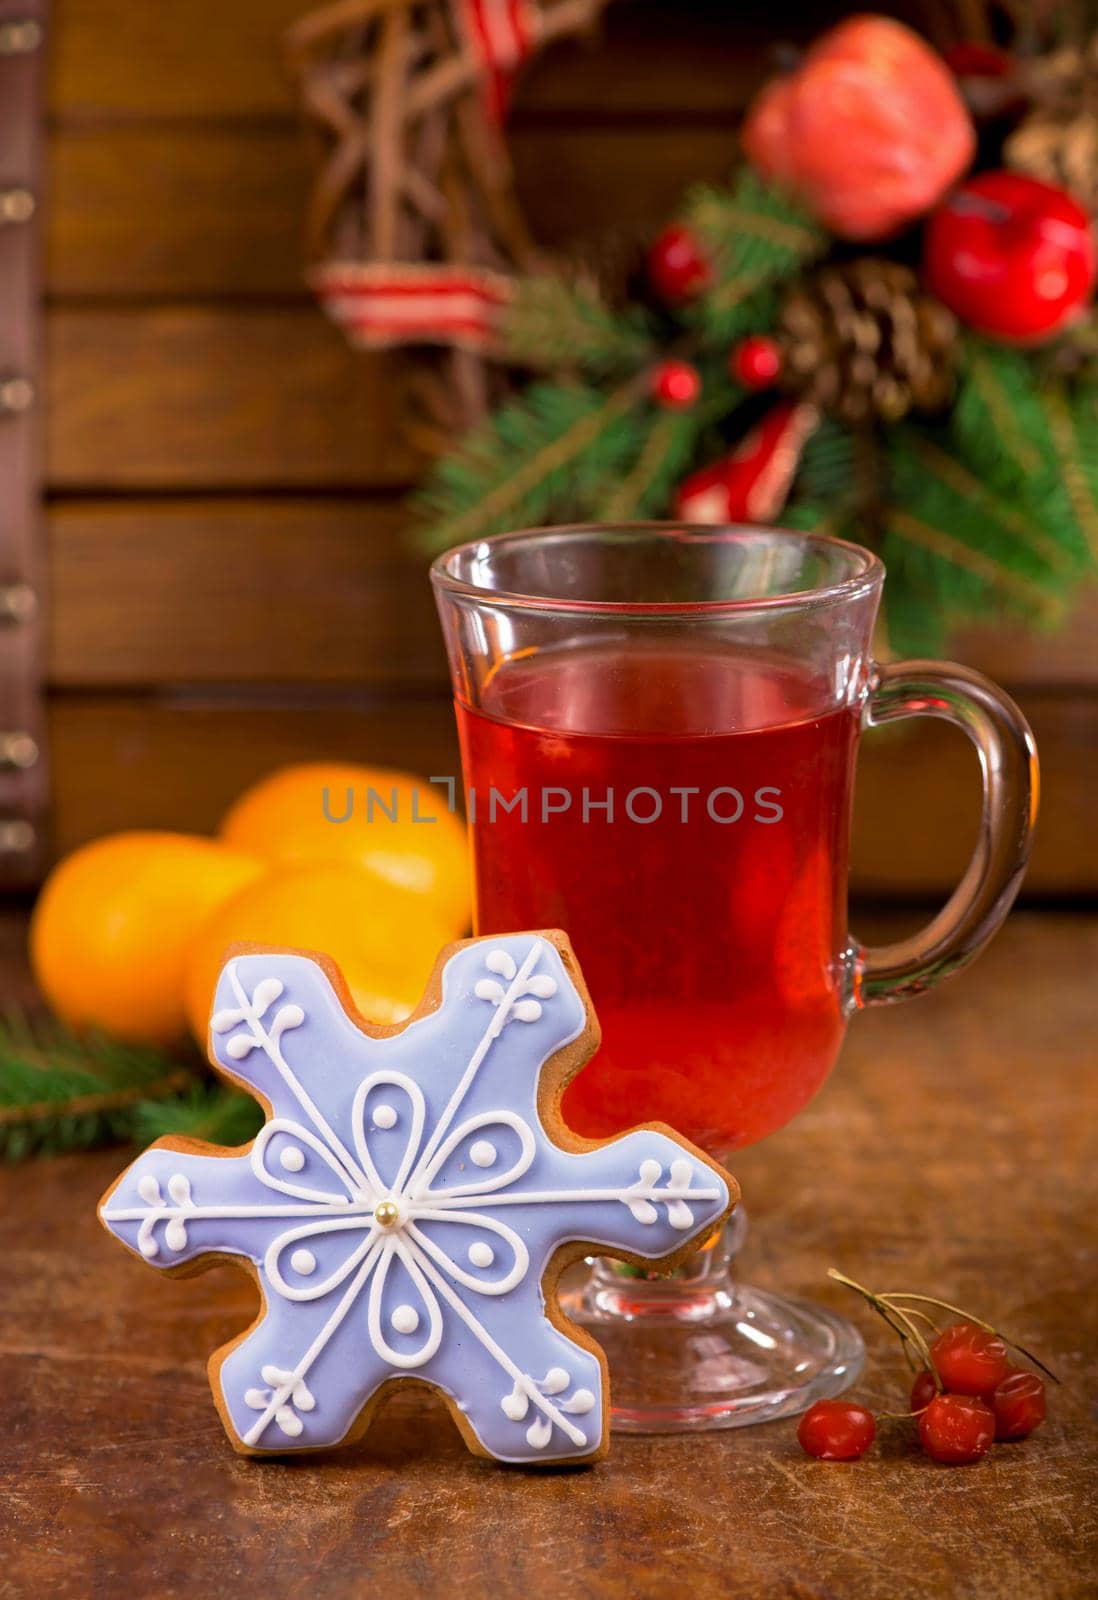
{"x":869,"y":132}
{"x":1011,"y":256}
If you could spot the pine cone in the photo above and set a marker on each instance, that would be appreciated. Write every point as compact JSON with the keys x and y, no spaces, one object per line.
{"x":1058,"y":140}
{"x":861,"y":340}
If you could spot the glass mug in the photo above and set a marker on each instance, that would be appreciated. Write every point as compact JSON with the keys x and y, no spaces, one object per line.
{"x":659,"y":726}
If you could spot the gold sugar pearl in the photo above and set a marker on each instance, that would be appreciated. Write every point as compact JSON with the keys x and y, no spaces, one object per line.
{"x":386,"y":1214}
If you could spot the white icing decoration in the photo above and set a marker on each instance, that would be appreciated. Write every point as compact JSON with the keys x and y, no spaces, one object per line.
{"x":267,"y":991}
{"x":345,"y":1186}
{"x":479,"y":1186}
{"x":514,"y":1405}
{"x":539,"y":1432}
{"x":175,"y":1234}
{"x":500,"y":961}
{"x":289,"y":1017}
{"x":520,"y":1256}
{"x":580,"y":1403}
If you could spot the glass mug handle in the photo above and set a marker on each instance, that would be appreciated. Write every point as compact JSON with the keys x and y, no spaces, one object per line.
{"x":1008,"y":763}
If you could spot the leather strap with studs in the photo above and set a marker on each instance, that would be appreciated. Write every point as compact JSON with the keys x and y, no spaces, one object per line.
{"x":23,"y":770}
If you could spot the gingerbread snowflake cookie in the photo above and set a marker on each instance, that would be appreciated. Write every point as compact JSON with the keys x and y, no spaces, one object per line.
{"x":411,"y":1200}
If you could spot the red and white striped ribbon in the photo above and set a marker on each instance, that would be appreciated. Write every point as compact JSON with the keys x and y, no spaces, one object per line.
{"x":383,"y":303}
{"x":502,"y":34}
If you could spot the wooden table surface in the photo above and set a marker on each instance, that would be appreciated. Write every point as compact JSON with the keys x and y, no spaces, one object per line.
{"x":953,"y":1152}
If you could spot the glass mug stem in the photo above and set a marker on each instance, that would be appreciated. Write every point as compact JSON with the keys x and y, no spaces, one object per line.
{"x":1008,"y":766}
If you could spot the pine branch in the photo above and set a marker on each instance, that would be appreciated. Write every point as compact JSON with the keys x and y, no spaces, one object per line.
{"x":645,"y":489}
{"x":548,"y":454}
{"x":1016,"y":517}
{"x":991,"y":573}
{"x":828,"y":470}
{"x":1073,"y":431}
{"x":955,"y":549}
{"x":754,"y":238}
{"x":59,"y":1092}
{"x":995,"y":417}
{"x":674,"y":440}
{"x":553,"y":323}
{"x":210,"y":1111}
{"x":1033,"y":442}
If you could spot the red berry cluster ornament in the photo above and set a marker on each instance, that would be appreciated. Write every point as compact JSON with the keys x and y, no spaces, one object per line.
{"x":675,"y":385}
{"x":967,"y":1395}
{"x":677,"y":268}
{"x":756,"y":361}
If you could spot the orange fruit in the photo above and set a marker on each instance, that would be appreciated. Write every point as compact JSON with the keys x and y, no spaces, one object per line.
{"x":111,"y":930}
{"x":383,"y":938}
{"x":369,"y":816}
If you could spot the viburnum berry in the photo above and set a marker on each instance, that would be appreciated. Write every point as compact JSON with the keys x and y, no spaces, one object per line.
{"x":677,"y":268}
{"x":675,"y":385}
{"x":836,"y":1430}
{"x":756,"y":361}
{"x":966,"y":1393}
{"x":923,"y":1390}
{"x":1019,"y":1404}
{"x":956,"y":1429}
{"x":970,"y":1359}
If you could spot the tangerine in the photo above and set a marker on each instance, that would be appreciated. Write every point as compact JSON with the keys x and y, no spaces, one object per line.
{"x":113,"y":924}
{"x":383,"y":938}
{"x":390,"y":821}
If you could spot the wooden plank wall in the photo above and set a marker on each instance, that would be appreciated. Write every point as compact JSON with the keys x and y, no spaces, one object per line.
{"x":230,"y":586}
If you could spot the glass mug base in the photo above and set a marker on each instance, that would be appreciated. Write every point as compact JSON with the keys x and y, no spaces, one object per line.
{"x":697,"y":1350}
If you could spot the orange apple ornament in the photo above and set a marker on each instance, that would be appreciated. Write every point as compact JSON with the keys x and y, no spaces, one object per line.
{"x":869,"y":132}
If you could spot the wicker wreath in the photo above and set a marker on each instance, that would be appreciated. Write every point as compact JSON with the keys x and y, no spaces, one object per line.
{"x":413,"y":226}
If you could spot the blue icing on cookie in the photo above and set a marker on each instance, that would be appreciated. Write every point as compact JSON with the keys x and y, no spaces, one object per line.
{"x":403,"y":1200}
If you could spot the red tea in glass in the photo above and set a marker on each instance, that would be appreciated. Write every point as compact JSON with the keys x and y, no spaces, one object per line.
{"x":659,"y":728}
{"x":700,"y":873}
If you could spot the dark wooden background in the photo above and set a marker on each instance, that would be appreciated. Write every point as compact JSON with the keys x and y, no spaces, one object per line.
{"x":229,"y":584}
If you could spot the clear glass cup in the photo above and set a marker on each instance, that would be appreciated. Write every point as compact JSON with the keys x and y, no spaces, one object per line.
{"x":659,"y":727}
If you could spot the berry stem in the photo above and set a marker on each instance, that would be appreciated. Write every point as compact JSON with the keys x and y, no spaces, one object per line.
{"x":893,"y":1305}
{"x":895,"y":1316}
{"x":944,"y":1305}
{"x":913,"y":1311}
